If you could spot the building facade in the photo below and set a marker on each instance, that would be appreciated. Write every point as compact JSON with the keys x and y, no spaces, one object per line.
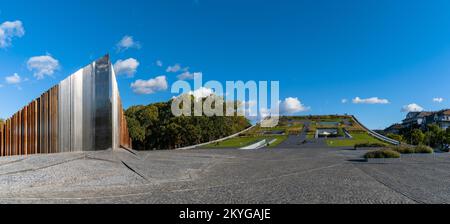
{"x":82,"y":113}
{"x":415,"y":119}
{"x":440,"y":118}
{"x":423,"y":119}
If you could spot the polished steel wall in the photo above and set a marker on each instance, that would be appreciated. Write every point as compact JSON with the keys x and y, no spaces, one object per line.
{"x":82,"y":113}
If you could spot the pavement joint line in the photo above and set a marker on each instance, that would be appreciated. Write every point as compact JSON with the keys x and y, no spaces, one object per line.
{"x":43,"y":167}
{"x":262,"y":179}
{"x":418,"y":201}
{"x":100,"y":159}
{"x":129,"y":167}
{"x":278,"y":160}
{"x":134,"y":171}
{"x":149,"y":184}
{"x":12,"y":162}
{"x":184,"y":190}
{"x":60,"y":185}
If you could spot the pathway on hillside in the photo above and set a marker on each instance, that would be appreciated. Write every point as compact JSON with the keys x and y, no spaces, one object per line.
{"x":301,"y":140}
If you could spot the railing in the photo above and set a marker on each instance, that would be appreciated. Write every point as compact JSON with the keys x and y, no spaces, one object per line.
{"x":376,"y":135}
{"x":257,"y":145}
{"x":218,"y":140}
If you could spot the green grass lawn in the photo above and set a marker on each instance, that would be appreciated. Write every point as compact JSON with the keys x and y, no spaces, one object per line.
{"x":280,"y":139}
{"x":257,"y":130}
{"x":237,"y":142}
{"x":240,"y":142}
{"x":257,"y":133}
{"x":310,"y":135}
{"x":358,"y":138}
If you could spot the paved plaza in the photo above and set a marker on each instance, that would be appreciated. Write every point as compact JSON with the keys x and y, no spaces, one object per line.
{"x":284,"y":175}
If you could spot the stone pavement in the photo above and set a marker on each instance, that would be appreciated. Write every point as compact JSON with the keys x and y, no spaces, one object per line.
{"x":295,"y":175}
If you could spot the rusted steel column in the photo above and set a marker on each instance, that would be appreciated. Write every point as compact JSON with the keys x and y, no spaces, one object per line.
{"x":1,"y":140}
{"x":25,"y":131}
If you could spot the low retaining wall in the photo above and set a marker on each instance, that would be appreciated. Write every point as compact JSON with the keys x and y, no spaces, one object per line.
{"x":257,"y":145}
{"x":376,"y":135}
{"x":347,"y":134}
{"x":215,"y":141}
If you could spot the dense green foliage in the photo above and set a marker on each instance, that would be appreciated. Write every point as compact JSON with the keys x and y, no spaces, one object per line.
{"x":447,"y":136}
{"x":423,"y":149}
{"x":370,"y":145}
{"x":433,"y":136}
{"x":381,"y":154}
{"x":406,"y":149}
{"x":395,"y":151}
{"x":396,"y":137}
{"x":403,"y":149}
{"x":417,"y":137}
{"x":155,"y":127}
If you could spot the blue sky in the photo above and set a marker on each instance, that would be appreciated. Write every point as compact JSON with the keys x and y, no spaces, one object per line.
{"x":321,"y":51}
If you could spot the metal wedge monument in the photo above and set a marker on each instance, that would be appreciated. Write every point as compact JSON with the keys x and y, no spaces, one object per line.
{"x":82,"y":113}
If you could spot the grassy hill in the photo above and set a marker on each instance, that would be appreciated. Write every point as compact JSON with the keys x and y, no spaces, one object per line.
{"x":295,"y":125}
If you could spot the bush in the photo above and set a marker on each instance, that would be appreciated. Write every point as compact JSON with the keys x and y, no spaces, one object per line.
{"x":403,"y":149}
{"x":381,"y":154}
{"x":395,"y":137}
{"x":423,"y":149}
{"x":370,"y":145}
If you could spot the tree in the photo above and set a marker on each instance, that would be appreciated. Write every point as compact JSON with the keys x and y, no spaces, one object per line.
{"x":435,"y":136}
{"x":417,"y":137}
{"x":396,"y":137}
{"x":155,"y":127}
{"x":2,"y":121}
{"x":447,"y":136}
{"x":137,"y":132}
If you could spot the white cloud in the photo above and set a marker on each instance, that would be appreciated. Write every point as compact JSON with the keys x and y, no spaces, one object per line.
{"x":128,"y":67}
{"x":373,"y":100}
{"x":13,"y":79}
{"x":344,"y":101}
{"x":43,"y":66}
{"x":150,"y":86}
{"x":292,"y":105}
{"x":174,"y":68}
{"x":201,"y":92}
{"x":412,"y":108}
{"x":159,"y":63}
{"x":264,"y":112}
{"x":126,"y":43}
{"x":438,"y":100}
{"x":189,"y":75}
{"x":10,"y":30}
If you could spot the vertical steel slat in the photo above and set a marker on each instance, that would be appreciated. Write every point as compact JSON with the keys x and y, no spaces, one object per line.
{"x":82,"y":112}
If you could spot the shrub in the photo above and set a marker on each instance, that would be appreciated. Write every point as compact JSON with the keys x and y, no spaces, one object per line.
{"x":403,"y":149}
{"x":423,"y":149}
{"x":381,"y":154}
{"x":370,"y":145}
{"x":395,"y":137}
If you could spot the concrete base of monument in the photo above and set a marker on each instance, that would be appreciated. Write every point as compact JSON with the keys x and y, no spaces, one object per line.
{"x":298,"y":175}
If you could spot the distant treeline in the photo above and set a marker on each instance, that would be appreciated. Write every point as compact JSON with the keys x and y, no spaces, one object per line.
{"x":154,"y":127}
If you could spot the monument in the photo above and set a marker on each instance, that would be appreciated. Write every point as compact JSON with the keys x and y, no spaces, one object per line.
{"x":82,"y":113}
